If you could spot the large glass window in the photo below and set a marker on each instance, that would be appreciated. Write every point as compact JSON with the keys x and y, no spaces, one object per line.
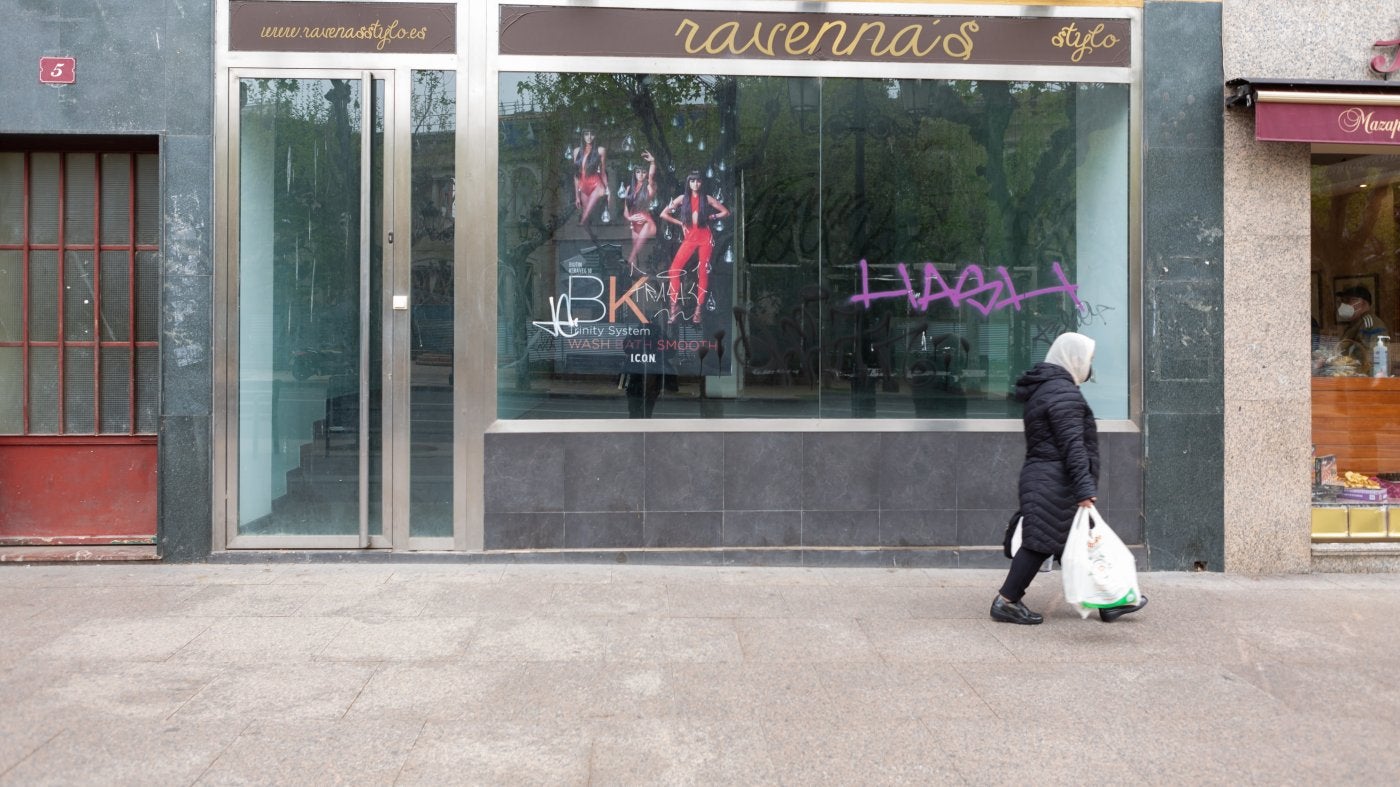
{"x":715,"y":246}
{"x":1354,"y":299}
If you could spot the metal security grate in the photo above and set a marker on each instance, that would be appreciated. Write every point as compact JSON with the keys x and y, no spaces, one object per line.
{"x":78,"y":301}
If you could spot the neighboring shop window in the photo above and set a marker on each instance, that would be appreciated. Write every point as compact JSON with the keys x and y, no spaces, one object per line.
{"x":717,"y":246}
{"x":1354,"y":300}
{"x":79,"y":292}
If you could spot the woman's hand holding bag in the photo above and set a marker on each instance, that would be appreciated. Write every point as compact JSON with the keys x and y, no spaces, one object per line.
{"x":1099,"y":569}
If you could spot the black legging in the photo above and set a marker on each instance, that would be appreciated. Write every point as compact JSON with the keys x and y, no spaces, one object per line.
{"x":1023,"y":569}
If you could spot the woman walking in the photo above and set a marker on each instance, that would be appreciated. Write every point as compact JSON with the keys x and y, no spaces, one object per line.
{"x":1061,"y":471}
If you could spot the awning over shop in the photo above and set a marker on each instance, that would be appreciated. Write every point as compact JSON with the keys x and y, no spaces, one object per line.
{"x":1358,"y":113}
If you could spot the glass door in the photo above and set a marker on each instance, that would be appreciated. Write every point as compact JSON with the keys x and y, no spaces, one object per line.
{"x":342,"y":356}
{"x":309,"y":160}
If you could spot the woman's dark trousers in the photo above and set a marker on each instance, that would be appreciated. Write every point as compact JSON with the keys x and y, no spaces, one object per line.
{"x":1023,"y":569}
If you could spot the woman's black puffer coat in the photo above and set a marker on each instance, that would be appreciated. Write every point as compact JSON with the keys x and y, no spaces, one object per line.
{"x":1062,"y":456}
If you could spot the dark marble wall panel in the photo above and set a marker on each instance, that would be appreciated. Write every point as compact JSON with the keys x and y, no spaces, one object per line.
{"x":188,"y":165}
{"x":29,"y":106}
{"x":841,"y":528}
{"x":1186,"y":239}
{"x":762,"y":529}
{"x":524,"y":468}
{"x":759,"y":472}
{"x":1183,"y":277}
{"x":1183,"y":59}
{"x":840,"y":472}
{"x":982,"y":526}
{"x":917,"y":470}
{"x":937,"y":528}
{"x":142,"y":67}
{"x":186,"y":380}
{"x":1184,"y":501}
{"x":1126,"y":523}
{"x":1121,"y":471}
{"x":602,"y":531}
{"x":524,"y":473}
{"x":1186,"y":319}
{"x":185,"y":532}
{"x":606,"y":472}
{"x":524,"y":531}
{"x":698,"y":529}
{"x":685,"y":471}
{"x":988,"y":469}
{"x":189,"y":37}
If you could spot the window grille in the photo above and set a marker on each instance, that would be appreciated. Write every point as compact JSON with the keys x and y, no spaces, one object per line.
{"x":79,"y":292}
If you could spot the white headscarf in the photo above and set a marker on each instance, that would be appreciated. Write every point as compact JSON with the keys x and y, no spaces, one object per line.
{"x":1073,"y":352}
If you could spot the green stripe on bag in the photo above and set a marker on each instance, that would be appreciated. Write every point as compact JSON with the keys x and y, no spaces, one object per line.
{"x":1129,"y":599}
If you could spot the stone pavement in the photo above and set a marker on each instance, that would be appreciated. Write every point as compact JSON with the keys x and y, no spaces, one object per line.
{"x":577,"y":674}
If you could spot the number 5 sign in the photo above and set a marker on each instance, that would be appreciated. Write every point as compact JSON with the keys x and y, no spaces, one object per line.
{"x":57,"y":70}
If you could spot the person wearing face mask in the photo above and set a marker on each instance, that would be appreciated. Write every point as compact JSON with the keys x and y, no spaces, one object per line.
{"x":1362,"y":326}
{"x":1060,"y":473}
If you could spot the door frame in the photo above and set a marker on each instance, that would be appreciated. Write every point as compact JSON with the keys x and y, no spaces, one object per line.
{"x":474,"y":393}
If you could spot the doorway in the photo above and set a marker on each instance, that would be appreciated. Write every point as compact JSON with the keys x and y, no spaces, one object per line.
{"x":342,"y":219}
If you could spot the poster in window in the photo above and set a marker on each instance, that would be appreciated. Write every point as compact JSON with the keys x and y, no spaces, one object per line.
{"x":640,"y":224}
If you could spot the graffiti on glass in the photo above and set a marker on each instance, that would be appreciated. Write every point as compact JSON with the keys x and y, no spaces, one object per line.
{"x":997,"y":292}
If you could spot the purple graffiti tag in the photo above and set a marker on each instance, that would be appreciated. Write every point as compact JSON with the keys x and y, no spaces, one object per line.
{"x":866,"y":296}
{"x":996,"y":293}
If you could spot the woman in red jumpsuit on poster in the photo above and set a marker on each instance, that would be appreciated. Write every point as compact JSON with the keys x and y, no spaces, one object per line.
{"x":590,"y":175}
{"x":699,"y":209}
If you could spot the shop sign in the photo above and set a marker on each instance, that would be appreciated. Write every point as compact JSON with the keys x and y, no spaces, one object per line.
{"x":1358,"y":124}
{"x":263,"y":26}
{"x":58,"y":70}
{"x":1383,"y":66}
{"x":645,"y":32}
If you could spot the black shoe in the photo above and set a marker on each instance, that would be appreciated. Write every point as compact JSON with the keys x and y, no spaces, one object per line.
{"x":1113,"y":613}
{"x":1008,"y":612}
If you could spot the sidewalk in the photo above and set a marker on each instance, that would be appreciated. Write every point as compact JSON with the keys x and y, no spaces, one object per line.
{"x":436,"y":674}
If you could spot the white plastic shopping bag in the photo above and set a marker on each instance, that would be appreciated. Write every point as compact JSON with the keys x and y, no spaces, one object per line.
{"x":1099,"y":570}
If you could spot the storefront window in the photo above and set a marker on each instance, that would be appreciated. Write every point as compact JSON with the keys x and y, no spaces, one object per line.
{"x":716,"y":246}
{"x":1355,"y":265}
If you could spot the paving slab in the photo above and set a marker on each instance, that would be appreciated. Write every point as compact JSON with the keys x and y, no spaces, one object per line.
{"x":804,"y":639}
{"x":859,"y":751}
{"x":498,"y":751}
{"x":720,"y":600}
{"x":315,"y":752}
{"x":681,"y":751}
{"x":125,"y":639}
{"x":139,"y":752}
{"x":443,"y":691}
{"x":486,"y":599}
{"x":118,"y":690}
{"x":399,"y":639}
{"x":673,"y":640}
{"x":293,"y":690}
{"x":625,"y":674}
{"x":259,"y":640}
